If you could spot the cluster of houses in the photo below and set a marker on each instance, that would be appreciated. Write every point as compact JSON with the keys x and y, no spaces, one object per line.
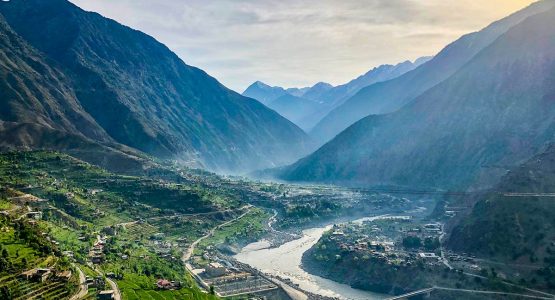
{"x":96,"y":253}
{"x":382,"y":240}
{"x":99,"y":283}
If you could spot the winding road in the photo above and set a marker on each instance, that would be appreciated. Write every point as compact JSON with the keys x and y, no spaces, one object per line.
{"x":113,"y":284}
{"x":83,"y":288}
{"x":187,"y":254}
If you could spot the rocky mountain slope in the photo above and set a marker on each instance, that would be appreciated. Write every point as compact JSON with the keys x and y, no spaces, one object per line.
{"x":123,"y":86}
{"x":40,"y":109}
{"x":527,"y":222}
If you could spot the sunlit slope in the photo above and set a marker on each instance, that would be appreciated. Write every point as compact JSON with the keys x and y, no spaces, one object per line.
{"x":496,"y":111}
{"x":391,"y":95}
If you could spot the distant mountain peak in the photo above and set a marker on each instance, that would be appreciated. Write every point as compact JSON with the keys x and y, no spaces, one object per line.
{"x":260,"y":84}
{"x":422,"y":60}
{"x":321,"y":84}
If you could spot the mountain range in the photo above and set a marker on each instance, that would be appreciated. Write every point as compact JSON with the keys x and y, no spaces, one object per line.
{"x":389,"y":96}
{"x":322,"y":97}
{"x":495,"y":110}
{"x":92,"y":80}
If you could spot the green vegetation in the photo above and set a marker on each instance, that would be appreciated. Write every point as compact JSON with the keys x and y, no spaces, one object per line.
{"x":139,"y":287}
{"x":247,"y":229}
{"x":412,"y":242}
{"x":23,"y":247}
{"x":517,"y":231}
{"x":387,"y":272}
{"x":147,"y":222}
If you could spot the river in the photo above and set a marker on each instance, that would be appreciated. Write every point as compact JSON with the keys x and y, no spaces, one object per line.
{"x":285,"y":261}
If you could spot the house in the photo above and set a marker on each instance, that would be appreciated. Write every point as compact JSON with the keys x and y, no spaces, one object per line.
{"x":450,"y":213}
{"x":94,"y":192}
{"x":338,"y":233}
{"x":164,"y":284}
{"x":64,"y":275}
{"x":97,"y":259}
{"x":37,"y":274}
{"x":428,"y":256}
{"x":37,"y":215}
{"x":433,"y":227}
{"x":106,"y":295}
{"x":215,"y":269}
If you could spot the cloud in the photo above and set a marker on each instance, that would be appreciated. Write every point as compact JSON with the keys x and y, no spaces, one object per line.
{"x":300,"y":42}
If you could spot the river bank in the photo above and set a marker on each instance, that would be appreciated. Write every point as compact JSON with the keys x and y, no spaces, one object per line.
{"x":285,"y":262}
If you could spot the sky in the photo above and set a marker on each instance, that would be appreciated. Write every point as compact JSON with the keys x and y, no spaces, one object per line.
{"x":297,"y":43}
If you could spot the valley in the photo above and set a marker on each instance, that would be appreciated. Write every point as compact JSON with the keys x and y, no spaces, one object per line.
{"x":157,"y":235}
{"x":128,"y":174}
{"x":185,"y":233}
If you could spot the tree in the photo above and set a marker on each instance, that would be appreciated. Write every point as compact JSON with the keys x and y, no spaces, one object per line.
{"x":431,"y":243}
{"x":5,"y":293}
{"x":212,"y":291}
{"x":4,"y":265}
{"x":5,"y":253}
{"x":412,"y":242}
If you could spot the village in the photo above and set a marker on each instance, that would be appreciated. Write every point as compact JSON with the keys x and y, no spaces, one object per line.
{"x":397,"y":240}
{"x":120,"y":236}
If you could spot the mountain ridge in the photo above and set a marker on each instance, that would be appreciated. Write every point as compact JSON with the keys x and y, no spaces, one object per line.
{"x":389,"y":96}
{"x":326,"y":95}
{"x":144,"y":96}
{"x":491,"y":117}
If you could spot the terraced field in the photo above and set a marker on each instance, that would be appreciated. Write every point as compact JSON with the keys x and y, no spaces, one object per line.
{"x":141,"y":287}
{"x":26,"y":290}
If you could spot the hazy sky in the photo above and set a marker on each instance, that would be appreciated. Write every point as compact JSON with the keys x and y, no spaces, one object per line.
{"x":300,"y":42}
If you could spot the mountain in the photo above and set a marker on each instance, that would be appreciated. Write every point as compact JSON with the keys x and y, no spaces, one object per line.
{"x":295,"y":104}
{"x":123,"y":86}
{"x":295,"y":108}
{"x":495,"y":111}
{"x":336,"y":96}
{"x":265,"y":93}
{"x":297,"y":92}
{"x":40,"y":109}
{"x":325,"y":94}
{"x":511,"y":228}
{"x":34,"y":92}
{"x":317,"y":91}
{"x":378,"y":74}
{"x":389,"y":96}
